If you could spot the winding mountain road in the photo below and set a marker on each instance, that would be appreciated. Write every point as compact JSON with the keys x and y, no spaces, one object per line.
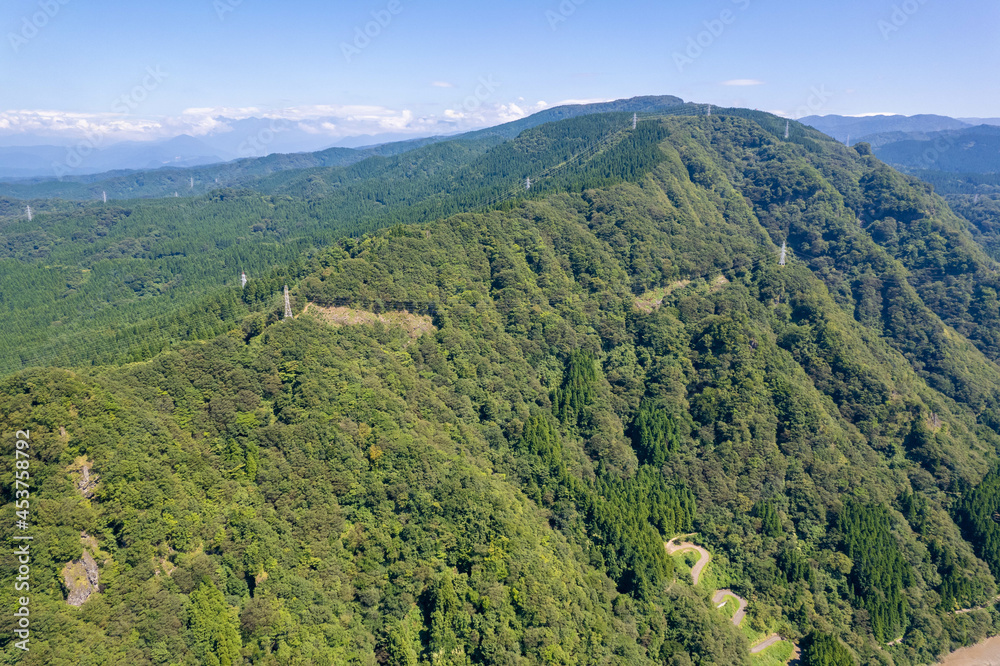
{"x":720,"y":596}
{"x":766,"y":643}
{"x":969,"y":610}
{"x":702,"y":562}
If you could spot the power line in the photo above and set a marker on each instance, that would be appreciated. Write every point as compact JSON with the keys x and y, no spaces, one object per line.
{"x":573,"y":160}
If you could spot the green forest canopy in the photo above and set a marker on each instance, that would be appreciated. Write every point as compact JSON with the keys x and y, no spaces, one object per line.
{"x":498,"y":490}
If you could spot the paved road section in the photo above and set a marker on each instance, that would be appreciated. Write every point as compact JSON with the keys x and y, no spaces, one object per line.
{"x":699,"y":566}
{"x":721,"y":595}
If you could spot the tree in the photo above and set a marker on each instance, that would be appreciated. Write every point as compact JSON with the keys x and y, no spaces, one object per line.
{"x":213,"y":627}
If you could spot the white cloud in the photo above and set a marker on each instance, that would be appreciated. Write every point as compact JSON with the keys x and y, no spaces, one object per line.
{"x":593,"y":100}
{"x":335,"y":121}
{"x":743,"y":82}
{"x":77,"y":125}
{"x":511,"y":111}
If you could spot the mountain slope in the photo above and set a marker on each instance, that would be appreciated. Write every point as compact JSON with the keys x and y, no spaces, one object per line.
{"x":970,"y":150}
{"x":150,"y":273}
{"x":490,"y":476}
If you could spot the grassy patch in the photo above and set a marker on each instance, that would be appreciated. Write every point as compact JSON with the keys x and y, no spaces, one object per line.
{"x":413,"y":325}
{"x":682,"y":568}
{"x":729,"y":608}
{"x":776,"y":655}
{"x":752,"y":635}
{"x":654,"y":297}
{"x":716,"y":576}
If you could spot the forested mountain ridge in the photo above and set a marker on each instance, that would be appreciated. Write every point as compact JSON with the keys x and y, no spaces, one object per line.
{"x":150,"y":273}
{"x":497,"y":489}
{"x":151,"y":183}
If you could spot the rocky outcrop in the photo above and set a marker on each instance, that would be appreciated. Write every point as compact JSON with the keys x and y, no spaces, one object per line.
{"x":82,"y":579}
{"x":83,"y":476}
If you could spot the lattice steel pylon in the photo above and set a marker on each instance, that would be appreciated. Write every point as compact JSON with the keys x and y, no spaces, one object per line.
{"x":288,"y":304}
{"x":784,"y":254}
{"x":28,"y":208}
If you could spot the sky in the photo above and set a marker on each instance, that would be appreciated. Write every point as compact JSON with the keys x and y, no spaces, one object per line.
{"x":147,"y":70}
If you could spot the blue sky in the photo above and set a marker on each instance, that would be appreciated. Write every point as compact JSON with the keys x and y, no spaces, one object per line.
{"x":139,"y":70}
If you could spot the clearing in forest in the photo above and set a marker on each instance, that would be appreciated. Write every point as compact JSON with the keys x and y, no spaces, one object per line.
{"x":653,"y":298}
{"x":414,"y":325}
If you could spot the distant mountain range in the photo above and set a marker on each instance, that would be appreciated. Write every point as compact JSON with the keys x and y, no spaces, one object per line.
{"x":138,"y":181}
{"x":922,"y":142}
{"x":969,"y":150}
{"x":51,"y":161}
{"x":855,"y":128}
{"x":45,"y":156}
{"x":40,"y":156}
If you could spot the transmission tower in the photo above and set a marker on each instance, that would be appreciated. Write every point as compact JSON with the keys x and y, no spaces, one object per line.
{"x":787,"y":125}
{"x":105,"y":194}
{"x":192,"y":182}
{"x":176,"y":195}
{"x":28,"y":208}
{"x":635,"y":120}
{"x":709,"y":110}
{"x":288,"y":304}
{"x":243,"y":279}
{"x":527,"y":184}
{"x":784,"y":254}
